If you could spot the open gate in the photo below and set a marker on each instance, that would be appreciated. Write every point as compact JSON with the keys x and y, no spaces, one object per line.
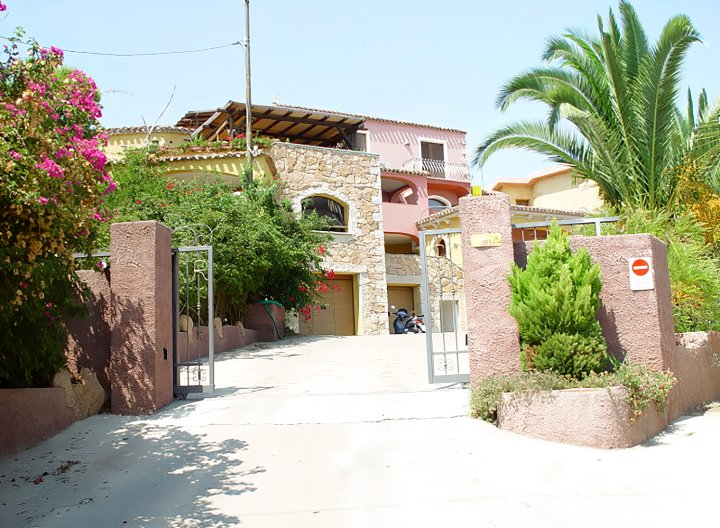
{"x":193,"y":321}
{"x":443,"y":304}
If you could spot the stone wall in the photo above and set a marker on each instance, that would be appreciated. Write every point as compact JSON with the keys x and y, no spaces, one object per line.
{"x":402,"y":265}
{"x":352,"y":178}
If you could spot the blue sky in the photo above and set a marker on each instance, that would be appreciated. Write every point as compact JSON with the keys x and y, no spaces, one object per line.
{"x":440,"y":63}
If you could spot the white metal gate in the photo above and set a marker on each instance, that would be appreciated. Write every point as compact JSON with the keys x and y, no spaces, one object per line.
{"x":443,"y":305}
{"x":193,"y":321}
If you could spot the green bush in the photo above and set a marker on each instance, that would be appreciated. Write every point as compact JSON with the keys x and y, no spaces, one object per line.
{"x":262,"y":248}
{"x":571,"y":354}
{"x":554,"y":301}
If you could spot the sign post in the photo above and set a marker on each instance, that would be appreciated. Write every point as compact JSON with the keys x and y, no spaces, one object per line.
{"x":641,"y":274}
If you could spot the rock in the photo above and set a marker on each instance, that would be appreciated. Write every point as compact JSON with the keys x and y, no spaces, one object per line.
{"x":63,"y":379}
{"x":89,"y":395}
{"x":241,"y":328}
{"x":186,"y":323}
{"x":218,"y":327}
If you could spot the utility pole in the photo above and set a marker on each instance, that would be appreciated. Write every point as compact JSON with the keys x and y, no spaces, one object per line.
{"x":248,"y":101}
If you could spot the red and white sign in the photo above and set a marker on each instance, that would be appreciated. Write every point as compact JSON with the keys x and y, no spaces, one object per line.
{"x":641,"y":274}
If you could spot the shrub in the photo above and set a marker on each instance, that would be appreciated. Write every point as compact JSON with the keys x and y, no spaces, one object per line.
{"x":262,"y":248}
{"x":554,"y":301}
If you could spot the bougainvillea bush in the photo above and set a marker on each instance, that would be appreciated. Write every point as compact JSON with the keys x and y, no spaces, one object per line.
{"x":52,"y":187}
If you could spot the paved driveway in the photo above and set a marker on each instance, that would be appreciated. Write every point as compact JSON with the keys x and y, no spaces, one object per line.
{"x":336,"y":432}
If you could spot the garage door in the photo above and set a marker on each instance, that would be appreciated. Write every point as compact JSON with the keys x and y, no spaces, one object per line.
{"x":338,"y":316}
{"x":400,"y":297}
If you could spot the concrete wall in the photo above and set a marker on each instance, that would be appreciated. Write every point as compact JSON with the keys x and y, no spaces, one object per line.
{"x":352,"y":178}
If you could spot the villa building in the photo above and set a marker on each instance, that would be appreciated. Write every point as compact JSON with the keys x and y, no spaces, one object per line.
{"x":374,"y":178}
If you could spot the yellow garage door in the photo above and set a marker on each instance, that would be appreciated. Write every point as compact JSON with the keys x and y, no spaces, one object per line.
{"x":338,"y":315}
{"x":400,"y":297}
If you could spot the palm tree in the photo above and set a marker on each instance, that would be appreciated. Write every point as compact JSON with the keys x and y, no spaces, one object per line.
{"x":612,"y":112}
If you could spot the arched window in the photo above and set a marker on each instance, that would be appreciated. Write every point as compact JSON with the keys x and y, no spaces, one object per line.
{"x":436,"y":204}
{"x":333,"y":211}
{"x":441,"y":248}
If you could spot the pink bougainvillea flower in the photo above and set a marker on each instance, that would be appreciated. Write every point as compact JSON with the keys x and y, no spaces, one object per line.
{"x":3,"y":7}
{"x":15,"y":155}
{"x":43,"y":200}
{"x":53,"y":169}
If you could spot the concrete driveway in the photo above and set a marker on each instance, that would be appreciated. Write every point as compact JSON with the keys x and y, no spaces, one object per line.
{"x":336,"y":432}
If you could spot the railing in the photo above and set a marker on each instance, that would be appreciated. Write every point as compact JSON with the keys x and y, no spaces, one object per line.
{"x":586,"y":226}
{"x":439,"y":169}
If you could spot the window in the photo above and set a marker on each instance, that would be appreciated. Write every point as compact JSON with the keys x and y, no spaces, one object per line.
{"x":361,"y":140}
{"x":441,"y":248}
{"x":522,"y":202}
{"x":331,"y":210}
{"x":433,"y":158}
{"x":436,"y":204}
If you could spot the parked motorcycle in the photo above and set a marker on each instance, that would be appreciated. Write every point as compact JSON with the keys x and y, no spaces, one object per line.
{"x":406,"y":324}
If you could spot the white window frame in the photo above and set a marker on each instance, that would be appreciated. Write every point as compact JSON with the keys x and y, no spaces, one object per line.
{"x":365,"y":133}
{"x":437,"y":141}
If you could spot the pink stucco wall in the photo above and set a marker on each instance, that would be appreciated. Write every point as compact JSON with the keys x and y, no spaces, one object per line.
{"x":599,"y":418}
{"x":31,"y":415}
{"x":89,"y":338}
{"x":397,"y":143}
{"x":637,"y":325}
{"x":141,"y":321}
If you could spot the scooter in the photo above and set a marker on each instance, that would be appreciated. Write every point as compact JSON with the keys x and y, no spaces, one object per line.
{"x":403,"y":323}
{"x":419,"y":322}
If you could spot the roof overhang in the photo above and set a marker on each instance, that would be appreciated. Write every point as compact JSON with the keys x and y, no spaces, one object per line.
{"x":303,"y":126}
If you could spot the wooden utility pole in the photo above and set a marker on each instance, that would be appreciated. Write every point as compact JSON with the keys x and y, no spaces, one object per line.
{"x":248,"y":101}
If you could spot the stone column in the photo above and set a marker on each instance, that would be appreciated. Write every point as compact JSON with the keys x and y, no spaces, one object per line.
{"x":637,"y":325}
{"x":492,"y":332}
{"x":141,"y":323}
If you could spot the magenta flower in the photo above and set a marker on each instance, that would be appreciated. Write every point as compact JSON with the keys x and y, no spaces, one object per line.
{"x":15,"y":155}
{"x":3,"y":7}
{"x":43,"y":200}
{"x":53,"y":169}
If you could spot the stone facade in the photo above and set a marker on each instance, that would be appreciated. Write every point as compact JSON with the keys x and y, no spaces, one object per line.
{"x":352,"y":178}
{"x":402,"y":265}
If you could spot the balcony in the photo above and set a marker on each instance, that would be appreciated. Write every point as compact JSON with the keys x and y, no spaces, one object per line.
{"x":439,"y":169}
{"x":401,"y":218}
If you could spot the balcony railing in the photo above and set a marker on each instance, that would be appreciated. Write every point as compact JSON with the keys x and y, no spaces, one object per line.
{"x":439,"y":169}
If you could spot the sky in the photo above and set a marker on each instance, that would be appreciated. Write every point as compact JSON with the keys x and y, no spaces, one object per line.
{"x":432,"y":62}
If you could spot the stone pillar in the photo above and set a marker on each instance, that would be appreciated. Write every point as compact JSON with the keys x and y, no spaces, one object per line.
{"x":141,"y":323}
{"x":492,"y":332}
{"x":636,"y":324}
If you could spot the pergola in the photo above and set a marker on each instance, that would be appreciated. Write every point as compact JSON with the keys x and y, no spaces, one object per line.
{"x":284,"y":123}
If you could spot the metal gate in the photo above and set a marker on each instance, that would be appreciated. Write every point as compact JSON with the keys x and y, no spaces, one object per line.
{"x":443,"y":304}
{"x":193,"y":321}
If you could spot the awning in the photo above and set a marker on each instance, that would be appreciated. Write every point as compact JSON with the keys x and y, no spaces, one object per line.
{"x":304,"y":126}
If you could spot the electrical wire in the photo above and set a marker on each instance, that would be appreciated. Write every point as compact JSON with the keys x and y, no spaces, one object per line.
{"x":145,"y":54}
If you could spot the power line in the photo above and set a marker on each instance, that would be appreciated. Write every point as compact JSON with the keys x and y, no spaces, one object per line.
{"x":145,"y":54}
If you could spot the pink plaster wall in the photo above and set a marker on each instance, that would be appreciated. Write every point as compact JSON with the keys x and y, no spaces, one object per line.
{"x":258,"y":319}
{"x":231,"y":339}
{"x":30,"y":415}
{"x":695,"y":364}
{"x":492,"y":332}
{"x":402,"y":218}
{"x":598,"y":418}
{"x":141,"y":322}
{"x":396,"y":143}
{"x":89,"y":338}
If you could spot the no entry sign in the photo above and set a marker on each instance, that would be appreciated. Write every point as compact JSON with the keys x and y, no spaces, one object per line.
{"x":641,"y":273}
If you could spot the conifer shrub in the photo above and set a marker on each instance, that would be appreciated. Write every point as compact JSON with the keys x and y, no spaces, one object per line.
{"x":555,"y":300}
